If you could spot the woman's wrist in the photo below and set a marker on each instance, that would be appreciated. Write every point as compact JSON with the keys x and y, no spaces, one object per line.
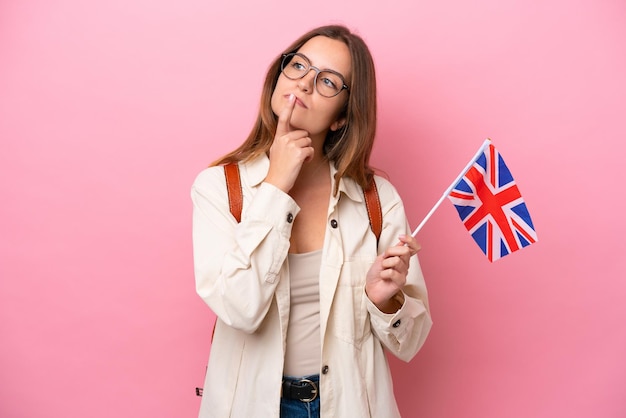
{"x":388,"y":306}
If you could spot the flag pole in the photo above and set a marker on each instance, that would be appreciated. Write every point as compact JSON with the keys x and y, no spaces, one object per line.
{"x":454,"y":183}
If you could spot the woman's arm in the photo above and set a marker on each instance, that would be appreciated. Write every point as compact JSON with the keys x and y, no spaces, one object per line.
{"x":237,"y":265}
{"x":397,"y":299}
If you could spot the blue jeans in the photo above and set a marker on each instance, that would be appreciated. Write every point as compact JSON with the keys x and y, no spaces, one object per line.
{"x":294,"y":408}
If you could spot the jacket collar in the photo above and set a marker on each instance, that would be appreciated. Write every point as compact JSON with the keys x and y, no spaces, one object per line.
{"x":257,"y":169}
{"x":347,"y":186}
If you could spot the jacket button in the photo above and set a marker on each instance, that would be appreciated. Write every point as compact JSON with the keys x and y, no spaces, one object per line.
{"x":289,"y":218}
{"x":333,"y":223}
{"x":325,"y":370}
{"x":396,"y":324}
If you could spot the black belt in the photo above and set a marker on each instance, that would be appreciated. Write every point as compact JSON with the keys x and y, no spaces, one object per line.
{"x":304,"y":390}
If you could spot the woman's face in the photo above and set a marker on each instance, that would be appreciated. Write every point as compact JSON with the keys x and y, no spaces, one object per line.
{"x":313,"y":112}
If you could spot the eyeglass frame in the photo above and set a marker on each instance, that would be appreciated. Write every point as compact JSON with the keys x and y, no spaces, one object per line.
{"x":317,"y":72}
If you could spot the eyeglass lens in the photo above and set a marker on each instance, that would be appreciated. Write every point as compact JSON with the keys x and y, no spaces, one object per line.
{"x":327,"y":83}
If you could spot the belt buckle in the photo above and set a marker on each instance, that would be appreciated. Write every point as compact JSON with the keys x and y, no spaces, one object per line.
{"x":312,"y":383}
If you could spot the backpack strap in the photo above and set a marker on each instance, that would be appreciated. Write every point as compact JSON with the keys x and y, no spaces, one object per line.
{"x":233,"y":184}
{"x":374,"y":212}
{"x":235,"y":199}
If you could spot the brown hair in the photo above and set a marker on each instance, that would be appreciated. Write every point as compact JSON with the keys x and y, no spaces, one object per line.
{"x":350,"y":146}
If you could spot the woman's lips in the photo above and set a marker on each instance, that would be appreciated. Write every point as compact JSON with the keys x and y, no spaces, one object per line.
{"x":298,"y":102}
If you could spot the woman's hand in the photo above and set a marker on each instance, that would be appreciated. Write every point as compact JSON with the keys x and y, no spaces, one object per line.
{"x":290,"y":149}
{"x":387,"y":275}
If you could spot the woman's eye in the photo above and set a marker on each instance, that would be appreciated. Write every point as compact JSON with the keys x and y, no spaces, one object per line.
{"x":298,"y":66}
{"x":329,"y":83}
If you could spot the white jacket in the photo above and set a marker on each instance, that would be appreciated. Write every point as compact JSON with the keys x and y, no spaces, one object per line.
{"x":242,"y":273}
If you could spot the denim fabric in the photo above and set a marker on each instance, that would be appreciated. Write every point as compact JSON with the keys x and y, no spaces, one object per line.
{"x":297,"y":409}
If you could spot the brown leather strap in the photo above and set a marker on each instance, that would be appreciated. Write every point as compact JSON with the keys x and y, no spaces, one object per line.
{"x":372,"y":201}
{"x":233,"y":184}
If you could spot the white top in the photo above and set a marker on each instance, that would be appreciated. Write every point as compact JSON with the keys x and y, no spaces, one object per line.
{"x":302,"y":357}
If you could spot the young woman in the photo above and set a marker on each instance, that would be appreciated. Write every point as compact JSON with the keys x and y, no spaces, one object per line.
{"x":306,"y":298}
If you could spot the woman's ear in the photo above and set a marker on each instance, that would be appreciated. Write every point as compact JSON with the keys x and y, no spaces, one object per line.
{"x":338,"y":124}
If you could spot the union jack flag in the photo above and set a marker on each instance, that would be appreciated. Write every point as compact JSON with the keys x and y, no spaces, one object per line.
{"x":492,"y":208}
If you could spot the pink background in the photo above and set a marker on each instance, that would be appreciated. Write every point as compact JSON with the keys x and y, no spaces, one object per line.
{"x":108,"y":110}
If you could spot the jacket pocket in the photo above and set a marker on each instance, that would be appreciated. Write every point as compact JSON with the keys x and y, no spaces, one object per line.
{"x":349,"y":315}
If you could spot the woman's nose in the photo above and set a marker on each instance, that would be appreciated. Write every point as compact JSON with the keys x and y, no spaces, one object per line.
{"x":307,"y":83}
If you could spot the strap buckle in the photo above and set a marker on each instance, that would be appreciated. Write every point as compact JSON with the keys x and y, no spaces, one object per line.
{"x":313,"y":391}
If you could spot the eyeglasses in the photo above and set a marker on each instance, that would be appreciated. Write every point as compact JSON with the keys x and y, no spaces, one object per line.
{"x":328,"y":83}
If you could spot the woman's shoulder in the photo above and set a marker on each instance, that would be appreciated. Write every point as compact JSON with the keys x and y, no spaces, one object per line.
{"x":210,"y":177}
{"x":214,"y":176}
{"x":386,"y":190}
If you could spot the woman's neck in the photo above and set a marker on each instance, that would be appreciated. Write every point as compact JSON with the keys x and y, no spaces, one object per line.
{"x":313,"y":171}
